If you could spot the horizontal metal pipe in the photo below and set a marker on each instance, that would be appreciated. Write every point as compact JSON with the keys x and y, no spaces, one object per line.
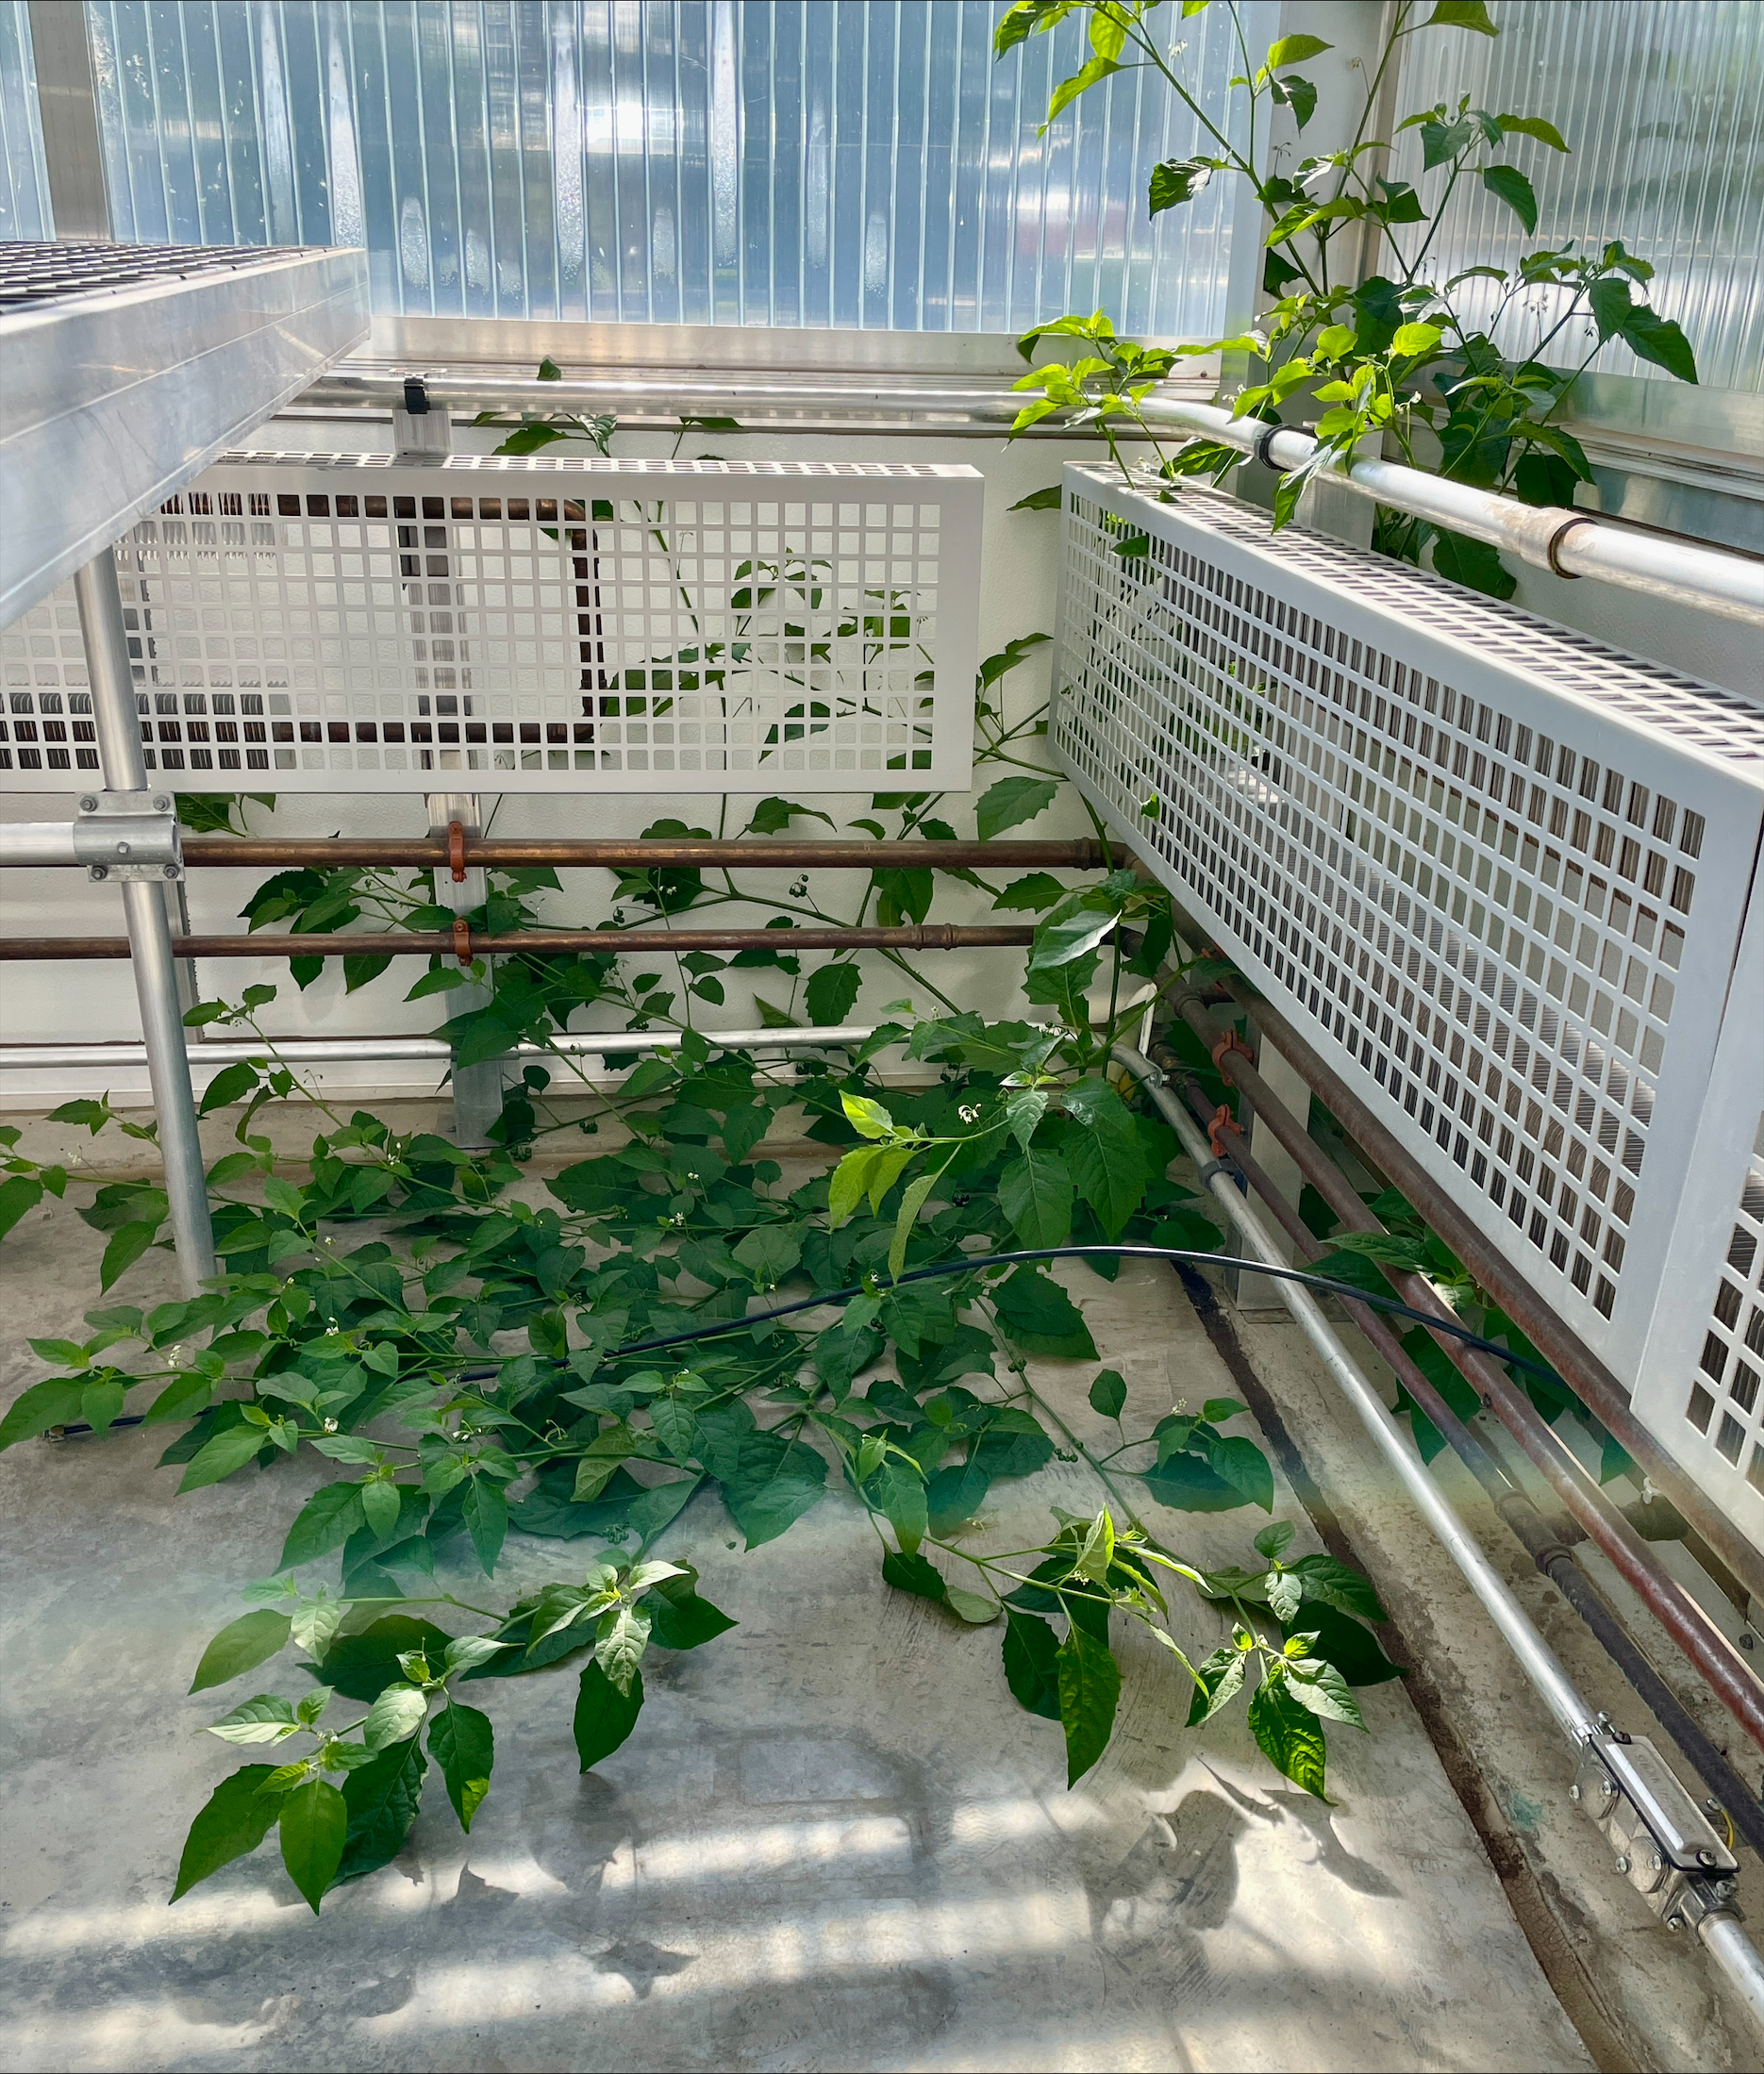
{"x":619,"y":855}
{"x":1568,"y":543}
{"x":29,"y":842}
{"x":1717,"y":1660}
{"x":532,"y":942}
{"x":216,"y":1053}
{"x":1547,"y":1541}
{"x":1591,"y":1380}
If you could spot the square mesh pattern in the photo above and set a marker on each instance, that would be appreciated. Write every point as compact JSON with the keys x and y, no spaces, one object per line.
{"x":356,"y":625}
{"x":1723,"y":1405}
{"x":1416,"y":828}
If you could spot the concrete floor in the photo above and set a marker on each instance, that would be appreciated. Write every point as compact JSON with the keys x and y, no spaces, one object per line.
{"x":833,"y":1841}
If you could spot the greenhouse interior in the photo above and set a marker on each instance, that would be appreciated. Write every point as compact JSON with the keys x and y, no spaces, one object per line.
{"x":848,"y":848}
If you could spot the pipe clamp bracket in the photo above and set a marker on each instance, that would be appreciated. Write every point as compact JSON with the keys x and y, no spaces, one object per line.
{"x":123,"y":835}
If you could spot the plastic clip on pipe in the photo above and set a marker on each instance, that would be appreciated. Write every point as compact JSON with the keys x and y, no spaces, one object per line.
{"x":1695,"y":1892}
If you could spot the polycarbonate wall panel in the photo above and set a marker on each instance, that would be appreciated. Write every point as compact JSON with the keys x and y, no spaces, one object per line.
{"x":808,"y":162}
{"x":23,"y":179}
{"x":1662,"y":105}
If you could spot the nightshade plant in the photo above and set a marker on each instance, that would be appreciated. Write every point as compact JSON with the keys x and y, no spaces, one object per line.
{"x":474,"y":1364}
{"x":1357,"y":336}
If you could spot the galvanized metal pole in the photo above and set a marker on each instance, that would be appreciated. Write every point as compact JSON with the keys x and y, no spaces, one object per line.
{"x":118,"y":727}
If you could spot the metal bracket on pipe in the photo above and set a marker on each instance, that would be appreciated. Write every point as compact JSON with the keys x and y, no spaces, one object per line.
{"x":123,"y":835}
{"x":1665,"y":1843}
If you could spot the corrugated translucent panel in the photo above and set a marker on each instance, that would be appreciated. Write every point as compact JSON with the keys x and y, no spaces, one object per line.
{"x":24,"y":178}
{"x":1662,"y":103}
{"x":818,"y":162}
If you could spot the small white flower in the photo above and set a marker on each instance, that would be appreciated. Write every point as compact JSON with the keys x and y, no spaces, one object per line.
{"x":969,"y":1112}
{"x":330,"y":1425}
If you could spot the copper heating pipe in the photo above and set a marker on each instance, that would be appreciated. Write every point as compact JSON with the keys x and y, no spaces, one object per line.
{"x":622,"y":855}
{"x":1584,"y":1373}
{"x":1547,"y":1538}
{"x":1715,"y":1658}
{"x":466,"y":943}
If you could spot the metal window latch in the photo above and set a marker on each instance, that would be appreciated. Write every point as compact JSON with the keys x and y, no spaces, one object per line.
{"x":1663,"y":1841}
{"x":120,"y":835}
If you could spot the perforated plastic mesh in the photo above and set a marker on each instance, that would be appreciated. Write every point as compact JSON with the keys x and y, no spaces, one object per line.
{"x":1724,"y":1401}
{"x":349,"y":623}
{"x":1434,"y":830}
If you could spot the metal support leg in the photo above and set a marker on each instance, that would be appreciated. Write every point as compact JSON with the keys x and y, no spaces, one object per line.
{"x":476,"y":1089}
{"x":118,"y":727}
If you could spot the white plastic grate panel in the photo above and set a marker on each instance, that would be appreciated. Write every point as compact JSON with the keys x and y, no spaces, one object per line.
{"x":1495,"y":870}
{"x":1702,"y":1387}
{"x":350,"y":624}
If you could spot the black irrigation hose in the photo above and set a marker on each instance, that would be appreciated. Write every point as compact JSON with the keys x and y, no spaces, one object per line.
{"x":970,"y":1263}
{"x":1186,"y":1256}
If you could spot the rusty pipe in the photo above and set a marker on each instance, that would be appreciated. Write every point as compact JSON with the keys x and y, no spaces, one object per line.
{"x":633,"y":854}
{"x":468,"y":943}
{"x":1584,"y":1373}
{"x":1548,"y":1540}
{"x":1719,"y":1662}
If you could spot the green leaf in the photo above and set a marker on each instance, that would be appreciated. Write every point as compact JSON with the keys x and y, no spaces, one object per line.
{"x":53,"y":1402}
{"x":914,"y":1573}
{"x":831,"y":992}
{"x":1068,"y":91}
{"x":775,"y":1481}
{"x":675,"y":1424}
{"x":1462,"y":14}
{"x":314,"y":1820}
{"x":899,"y":1492}
{"x":228,"y":1085}
{"x":18,"y":1194}
{"x":769,"y":1252}
{"x":486,"y":1520}
{"x":1035,"y":1191}
{"x":1320,"y":1689}
{"x":619,"y":1645}
{"x":1041,"y":1318}
{"x":1412,"y":340}
{"x":235,"y":1820}
{"x":241,"y":1646}
{"x":1243,"y":1465}
{"x":463,"y":1744}
{"x":955,"y":1494}
{"x":1473,"y":563}
{"x":912,"y":1201}
{"x":360,"y":1667}
{"x":1109,"y":1394}
{"x":1289,"y":1735}
{"x":1515,"y":190}
{"x":1038,"y":890}
{"x":1010,"y":802}
{"x":605,"y":1717}
{"x":1295,"y":50}
{"x":1533,"y":125}
{"x":973,"y":1607}
{"x":685,"y":1622}
{"x":1273,"y":1541}
{"x":1221,"y":1680}
{"x":324,"y":1522}
{"x":398,"y":1712}
{"x":1333,"y":1583}
{"x":263,"y":1718}
{"x":127,"y":1243}
{"x":1298,"y":94}
{"x":218,"y":1458}
{"x":381,"y":1798}
{"x":1039,"y":500}
{"x":1090,"y":1691}
{"x":1032,"y":1662}
{"x":1176,"y":181}
{"x":1352,"y":1649}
